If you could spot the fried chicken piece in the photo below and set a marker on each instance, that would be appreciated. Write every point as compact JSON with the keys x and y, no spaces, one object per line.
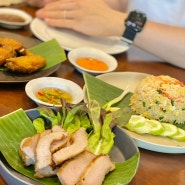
{"x":14,"y":44}
{"x":25,"y":64}
{"x":5,"y":53}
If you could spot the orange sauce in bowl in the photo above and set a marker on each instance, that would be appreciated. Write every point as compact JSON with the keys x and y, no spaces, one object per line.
{"x":53,"y":95}
{"x":92,"y":64}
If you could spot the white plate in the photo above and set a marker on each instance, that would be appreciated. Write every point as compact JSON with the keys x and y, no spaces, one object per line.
{"x":33,"y":86}
{"x":153,"y":143}
{"x":14,"y":12}
{"x":88,"y":52}
{"x":70,"y":39}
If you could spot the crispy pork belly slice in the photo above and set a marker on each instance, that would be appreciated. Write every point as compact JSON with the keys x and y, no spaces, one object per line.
{"x":96,"y":171}
{"x":78,"y":144}
{"x":27,"y":149}
{"x":57,"y":145}
{"x":44,"y":165}
{"x":71,"y":170}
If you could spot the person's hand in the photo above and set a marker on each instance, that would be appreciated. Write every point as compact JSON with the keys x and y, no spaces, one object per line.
{"x":93,"y":18}
{"x":39,"y":3}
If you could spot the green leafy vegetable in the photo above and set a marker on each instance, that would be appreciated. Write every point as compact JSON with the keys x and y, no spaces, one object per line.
{"x":39,"y":125}
{"x":107,"y":140}
{"x":47,"y":119}
{"x":101,"y":139}
{"x":72,"y":119}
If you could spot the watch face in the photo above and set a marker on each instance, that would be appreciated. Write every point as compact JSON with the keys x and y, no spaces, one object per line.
{"x":136,"y":21}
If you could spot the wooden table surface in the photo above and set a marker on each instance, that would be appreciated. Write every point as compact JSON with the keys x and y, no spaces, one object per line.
{"x":155,"y":168}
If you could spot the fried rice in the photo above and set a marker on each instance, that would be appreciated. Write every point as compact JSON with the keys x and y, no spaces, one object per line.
{"x":161,"y":98}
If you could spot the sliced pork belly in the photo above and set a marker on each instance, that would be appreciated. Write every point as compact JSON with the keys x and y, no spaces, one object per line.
{"x":78,"y":144}
{"x":71,"y":170}
{"x":27,"y":150}
{"x":44,"y":164}
{"x":57,"y":145}
{"x":96,"y":171}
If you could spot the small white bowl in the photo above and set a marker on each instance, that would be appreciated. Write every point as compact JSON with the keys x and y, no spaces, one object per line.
{"x":88,"y":52}
{"x":33,"y":86}
{"x":14,"y":12}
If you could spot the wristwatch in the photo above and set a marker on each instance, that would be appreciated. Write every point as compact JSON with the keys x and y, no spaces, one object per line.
{"x":134,"y":23}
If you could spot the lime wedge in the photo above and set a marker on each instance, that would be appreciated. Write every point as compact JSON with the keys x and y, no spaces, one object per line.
{"x":137,"y":124}
{"x":170,"y":130}
{"x":156,"y":127}
{"x":180,"y":135}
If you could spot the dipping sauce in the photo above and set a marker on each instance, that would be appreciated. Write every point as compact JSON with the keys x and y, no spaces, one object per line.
{"x":92,"y":64}
{"x":53,"y":95}
{"x":11,"y":18}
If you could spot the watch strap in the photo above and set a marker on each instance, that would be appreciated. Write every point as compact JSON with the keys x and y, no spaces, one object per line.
{"x":129,"y":35}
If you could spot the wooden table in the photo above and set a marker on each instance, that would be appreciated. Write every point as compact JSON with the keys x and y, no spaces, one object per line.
{"x":155,"y":168}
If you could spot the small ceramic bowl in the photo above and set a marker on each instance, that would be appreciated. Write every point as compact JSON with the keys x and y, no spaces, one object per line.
{"x":33,"y":86}
{"x":87,"y":52}
{"x":12,"y":18}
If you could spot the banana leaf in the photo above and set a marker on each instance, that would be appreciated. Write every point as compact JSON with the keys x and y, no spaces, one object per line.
{"x":51,"y":51}
{"x":103,"y":92}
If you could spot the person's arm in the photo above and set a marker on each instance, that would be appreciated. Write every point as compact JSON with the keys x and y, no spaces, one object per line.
{"x":166,"y":42}
{"x":98,"y":19}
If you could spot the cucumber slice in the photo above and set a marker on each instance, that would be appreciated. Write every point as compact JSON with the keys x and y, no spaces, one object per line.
{"x":142,"y":125}
{"x":156,"y":127}
{"x":180,"y":135}
{"x":170,"y":130}
{"x":137,"y":124}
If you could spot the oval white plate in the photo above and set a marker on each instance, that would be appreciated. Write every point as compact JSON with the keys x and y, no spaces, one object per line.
{"x":70,"y":39}
{"x":88,"y":52}
{"x":33,"y":86}
{"x":153,"y":143}
{"x":14,"y":25}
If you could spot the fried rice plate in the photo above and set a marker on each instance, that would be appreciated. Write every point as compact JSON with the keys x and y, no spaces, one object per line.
{"x":161,"y":98}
